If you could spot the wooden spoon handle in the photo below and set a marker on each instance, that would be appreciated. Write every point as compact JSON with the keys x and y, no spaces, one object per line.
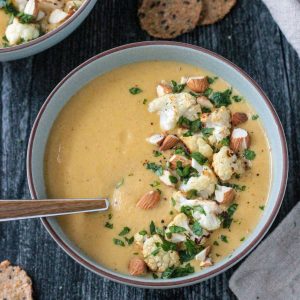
{"x":24,"y":209}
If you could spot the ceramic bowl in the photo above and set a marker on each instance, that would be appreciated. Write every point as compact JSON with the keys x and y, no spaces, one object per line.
{"x":189,"y":54}
{"x":50,"y":39}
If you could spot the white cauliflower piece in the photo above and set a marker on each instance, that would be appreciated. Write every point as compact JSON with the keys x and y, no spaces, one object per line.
{"x":156,"y":258}
{"x":180,"y":220}
{"x":204,"y":211}
{"x":19,"y":4}
{"x":196,"y":143}
{"x":16,"y":31}
{"x":226,"y":163}
{"x":171,"y":107}
{"x":205,"y":184}
{"x":140,"y":239}
{"x":219,"y":120}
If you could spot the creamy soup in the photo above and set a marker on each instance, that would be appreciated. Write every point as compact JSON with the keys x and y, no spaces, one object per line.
{"x":97,"y":147}
{"x":4,"y":18}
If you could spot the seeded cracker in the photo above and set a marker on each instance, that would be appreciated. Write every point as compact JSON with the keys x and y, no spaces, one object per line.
{"x":215,"y":10}
{"x":166,"y":19}
{"x":14,"y":283}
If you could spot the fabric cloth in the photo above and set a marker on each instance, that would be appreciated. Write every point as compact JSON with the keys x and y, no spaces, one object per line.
{"x":272,"y":271}
{"x":286,"y":14}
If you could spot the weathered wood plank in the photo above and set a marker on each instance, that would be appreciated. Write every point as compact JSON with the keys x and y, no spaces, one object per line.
{"x":248,"y":36}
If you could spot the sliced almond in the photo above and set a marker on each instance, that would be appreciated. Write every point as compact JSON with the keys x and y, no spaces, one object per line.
{"x":207,"y":263}
{"x":149,"y":200}
{"x":169,"y":142}
{"x":32,"y":8}
{"x":183,"y":80}
{"x":238,"y":118}
{"x":156,"y":139}
{"x":239,"y":140}
{"x":137,"y":266}
{"x":198,"y":84}
{"x":57,"y":16}
{"x":176,"y":158}
{"x":224,"y":194}
{"x":204,"y":102}
{"x":163,"y":89}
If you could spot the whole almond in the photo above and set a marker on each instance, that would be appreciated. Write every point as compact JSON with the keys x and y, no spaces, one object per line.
{"x":149,"y":200}
{"x":238,"y":118}
{"x":198,"y":84}
{"x":169,"y":142}
{"x":204,"y":102}
{"x":136,"y":266}
{"x":239,"y":140}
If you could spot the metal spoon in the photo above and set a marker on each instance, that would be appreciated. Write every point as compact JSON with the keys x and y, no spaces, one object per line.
{"x":25,"y":209}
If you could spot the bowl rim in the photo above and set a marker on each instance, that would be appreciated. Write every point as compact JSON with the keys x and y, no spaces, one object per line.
{"x":44,"y":37}
{"x":184,"y":281}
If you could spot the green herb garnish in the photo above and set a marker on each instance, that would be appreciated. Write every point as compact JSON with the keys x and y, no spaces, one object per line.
{"x":177,"y":87}
{"x":152,"y":228}
{"x":155,"y":252}
{"x":237,"y":98}
{"x":173,"y":272}
{"x":221,"y":98}
{"x":225,"y":142}
{"x":262,"y":207}
{"x":249,"y":154}
{"x":191,"y":194}
{"x":109,"y":225}
{"x":207,"y":132}
{"x":176,"y":229}
{"x":129,"y":240}
{"x":143,"y":232}
{"x":227,"y":217}
{"x":197,"y":229}
{"x":224,"y":238}
{"x":157,"y":153}
{"x":208,"y":92}
{"x":157,"y":169}
{"x":242,"y":239}
{"x":120,"y":183}
{"x":124,"y":231}
{"x":145,"y":101}
{"x":173,"y":179}
{"x":200,"y":158}
{"x":155,"y":183}
{"x":135,"y":90}
{"x":255,"y":117}
{"x":118,"y":242}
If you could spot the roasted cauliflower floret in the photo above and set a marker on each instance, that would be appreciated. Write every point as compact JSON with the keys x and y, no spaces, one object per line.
{"x":219,"y":120}
{"x":171,"y":107}
{"x":140,"y":239}
{"x":181,"y":221}
{"x":156,"y":258}
{"x":204,"y":184}
{"x":196,"y":143}
{"x":204,"y":211}
{"x":17,"y":32}
{"x":226,"y":163}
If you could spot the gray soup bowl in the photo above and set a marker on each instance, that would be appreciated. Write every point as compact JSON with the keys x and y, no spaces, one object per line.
{"x":104,"y":62}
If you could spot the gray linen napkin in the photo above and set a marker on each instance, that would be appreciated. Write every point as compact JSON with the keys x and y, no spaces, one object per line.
{"x":286,"y":14}
{"x":272,"y":271}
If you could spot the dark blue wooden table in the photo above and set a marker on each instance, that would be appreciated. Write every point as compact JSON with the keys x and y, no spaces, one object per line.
{"x":248,"y":36}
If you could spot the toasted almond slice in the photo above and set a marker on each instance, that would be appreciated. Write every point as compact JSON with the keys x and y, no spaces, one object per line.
{"x":238,"y":118}
{"x":239,"y":140}
{"x":202,"y":256}
{"x":175,"y":158}
{"x":165,"y":178}
{"x":169,"y":142}
{"x":156,"y":139}
{"x":198,"y":84}
{"x":204,"y":102}
{"x":207,"y":263}
{"x":183,"y":80}
{"x":224,"y":194}
{"x":149,"y":200}
{"x":32,"y":8}
{"x":136,"y":266}
{"x":163,"y":89}
{"x":57,"y":16}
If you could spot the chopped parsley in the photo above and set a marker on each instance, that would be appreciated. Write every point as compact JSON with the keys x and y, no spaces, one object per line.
{"x":174,"y":272}
{"x":197,"y":229}
{"x":255,"y":117}
{"x":154,"y":276}
{"x":249,"y":154}
{"x":177,"y":87}
{"x":118,"y":242}
{"x":200,"y":158}
{"x":221,"y":98}
{"x":129,"y":240}
{"x":242,"y":239}
{"x":188,"y":210}
{"x":157,"y":153}
{"x":124,"y":231}
{"x":135,"y":90}
{"x":109,"y":225}
{"x":155,"y":252}
{"x":262,"y":207}
{"x":143,"y":232}
{"x":181,"y":151}
{"x":236,"y":187}
{"x":224,"y":238}
{"x":120,"y":183}
{"x":216,"y":243}
{"x":227,"y":216}
{"x":167,"y":246}
{"x":24,"y":18}
{"x":191,"y":194}
{"x":207,"y":92}
{"x":155,"y":183}
{"x":152,"y":228}
{"x":225,"y":142}
{"x":211,"y":80}
{"x":145,"y":101}
{"x":176,"y":229}
{"x":207,"y":132}
{"x":173,"y":179}
{"x":237,"y":98}
{"x":157,"y":169}
{"x":173,"y":201}
{"x":109,"y":216}
{"x":192,"y":126}
{"x":191,"y":249}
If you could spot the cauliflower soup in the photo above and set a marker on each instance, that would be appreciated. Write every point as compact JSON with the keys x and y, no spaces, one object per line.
{"x":182,"y":157}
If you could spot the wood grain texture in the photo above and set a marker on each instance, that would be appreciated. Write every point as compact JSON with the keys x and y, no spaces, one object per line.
{"x":248,"y":37}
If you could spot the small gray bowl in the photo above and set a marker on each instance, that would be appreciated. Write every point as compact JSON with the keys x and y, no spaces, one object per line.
{"x":49,"y":39}
{"x":185,"y":53}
